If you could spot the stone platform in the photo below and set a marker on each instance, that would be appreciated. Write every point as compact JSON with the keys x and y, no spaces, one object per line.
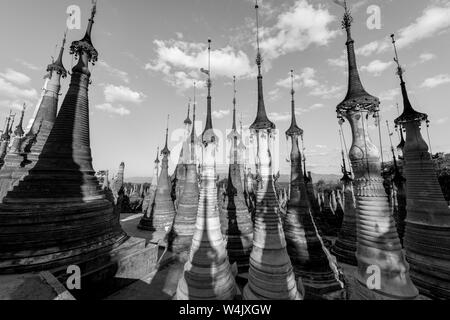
{"x":33,"y":286}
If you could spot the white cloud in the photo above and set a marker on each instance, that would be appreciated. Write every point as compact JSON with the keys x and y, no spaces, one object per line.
{"x":122,"y":75}
{"x":389,"y":95}
{"x":107,"y":107}
{"x":220,"y":114}
{"x":298,"y":28}
{"x":326,"y":92}
{"x":28,"y":65}
{"x":274,"y":94}
{"x":307,"y":79}
{"x":284,"y":116}
{"x":376,"y":67}
{"x":425,"y":57}
{"x":11,"y":91}
{"x":181,"y":61}
{"x":16,"y":77}
{"x":370,"y":48}
{"x":340,"y":62}
{"x":316,"y":106}
{"x":433,"y":21}
{"x":442,"y":120}
{"x":436,"y":81}
{"x":15,"y":104}
{"x":279,"y":117}
{"x":124,"y":94}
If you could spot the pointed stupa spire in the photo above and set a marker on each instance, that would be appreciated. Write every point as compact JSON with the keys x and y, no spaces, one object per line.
{"x":19,"y":128}
{"x":293,"y":130}
{"x":236,"y":221}
{"x":234,"y":135}
{"x":261,"y":122}
{"x":409,"y":114}
{"x":157,"y":156}
{"x":58,"y":66}
{"x":234,"y":103}
{"x":5,"y":135}
{"x":305,"y":173}
{"x":10,"y":131}
{"x":166,"y":151}
{"x":84,"y":49}
{"x":401,"y":145}
{"x":194,"y":106}
{"x":356,"y":92}
{"x":188,"y":119}
{"x":208,"y":135}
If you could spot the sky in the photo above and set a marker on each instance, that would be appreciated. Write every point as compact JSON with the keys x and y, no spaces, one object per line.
{"x":151,"y":52}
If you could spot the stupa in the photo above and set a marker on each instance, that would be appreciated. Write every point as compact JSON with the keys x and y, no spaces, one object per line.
{"x":58,"y":214}
{"x":427,"y":235}
{"x":237,"y":224}
{"x":207,"y":274}
{"x":161,"y":216}
{"x":305,"y":249}
{"x":271,"y":275}
{"x":184,"y":224}
{"x":378,"y":246}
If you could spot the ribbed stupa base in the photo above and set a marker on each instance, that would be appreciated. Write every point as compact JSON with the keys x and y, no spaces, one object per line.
{"x":307,"y":255}
{"x":329,"y":222}
{"x":379,"y":247}
{"x":183,"y":229}
{"x":345,"y":246}
{"x":237,"y":225}
{"x":207,"y":274}
{"x":161,"y":217}
{"x":271,"y":275}
{"x":431,"y":271}
{"x":427,"y":235}
{"x":37,"y":236}
{"x":362,"y":292}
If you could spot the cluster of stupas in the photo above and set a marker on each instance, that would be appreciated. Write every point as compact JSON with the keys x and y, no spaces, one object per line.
{"x":244,"y":239}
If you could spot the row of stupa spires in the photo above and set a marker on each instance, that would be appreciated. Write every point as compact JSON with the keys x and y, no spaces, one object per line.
{"x":374,"y":246}
{"x":426,"y":239}
{"x":54,"y":212}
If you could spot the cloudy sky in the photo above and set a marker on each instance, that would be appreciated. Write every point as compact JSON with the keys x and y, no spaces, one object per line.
{"x":150,"y":52}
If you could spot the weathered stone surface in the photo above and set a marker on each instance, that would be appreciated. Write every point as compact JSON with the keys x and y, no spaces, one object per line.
{"x":103,"y":274}
{"x":33,"y":287}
